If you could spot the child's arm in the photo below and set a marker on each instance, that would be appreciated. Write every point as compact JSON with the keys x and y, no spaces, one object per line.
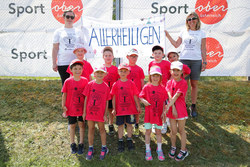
{"x":145,"y":102}
{"x":142,"y":83}
{"x":90,"y":78}
{"x":113,"y":103}
{"x":138,"y":107}
{"x":106,"y":112}
{"x":172,"y":101}
{"x":84,"y":109}
{"x":173,"y":106}
{"x":64,"y":96}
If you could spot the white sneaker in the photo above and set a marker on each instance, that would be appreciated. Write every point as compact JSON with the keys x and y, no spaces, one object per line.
{"x":164,"y":128}
{"x":153,"y":128}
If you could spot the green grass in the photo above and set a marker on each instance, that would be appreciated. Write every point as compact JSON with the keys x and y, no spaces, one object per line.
{"x":33,"y":133}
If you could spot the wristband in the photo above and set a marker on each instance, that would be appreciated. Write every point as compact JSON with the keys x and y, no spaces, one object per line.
{"x":205,"y":62}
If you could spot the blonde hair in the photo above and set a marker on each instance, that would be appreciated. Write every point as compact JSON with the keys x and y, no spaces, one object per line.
{"x":198,"y":25}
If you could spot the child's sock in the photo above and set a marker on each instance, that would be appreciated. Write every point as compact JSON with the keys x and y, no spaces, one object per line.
{"x":91,"y":146}
{"x":104,"y":146}
{"x":129,"y":138}
{"x":159,"y":146}
{"x":147,"y":146}
{"x":183,"y":151}
{"x":121,"y":139}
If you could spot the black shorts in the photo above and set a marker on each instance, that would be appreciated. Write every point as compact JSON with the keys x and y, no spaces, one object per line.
{"x":74,"y":119}
{"x":110,"y":105}
{"x":120,"y":120}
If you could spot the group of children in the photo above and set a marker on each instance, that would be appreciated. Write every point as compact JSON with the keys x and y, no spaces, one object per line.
{"x":118,"y":92}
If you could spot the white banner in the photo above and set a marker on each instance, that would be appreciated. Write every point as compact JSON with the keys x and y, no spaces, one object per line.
{"x":123,"y":35}
{"x":226,"y":23}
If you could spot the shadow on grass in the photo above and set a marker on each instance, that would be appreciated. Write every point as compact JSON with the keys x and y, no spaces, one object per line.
{"x":4,"y":156}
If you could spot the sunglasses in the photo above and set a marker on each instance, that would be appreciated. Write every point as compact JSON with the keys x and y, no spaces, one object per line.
{"x":194,"y":18}
{"x":72,"y":17}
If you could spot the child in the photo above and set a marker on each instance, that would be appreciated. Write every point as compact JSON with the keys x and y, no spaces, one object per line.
{"x":174,"y":56}
{"x":137,"y":76}
{"x":72,"y":103}
{"x":80,"y":51}
{"x":126,"y":105}
{"x":153,"y":96}
{"x":158,"y":55}
{"x":111,"y":77}
{"x":97,"y":94}
{"x":177,"y":88}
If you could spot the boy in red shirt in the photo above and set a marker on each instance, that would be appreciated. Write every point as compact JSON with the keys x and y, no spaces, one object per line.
{"x":126,"y":105}
{"x":174,"y":56}
{"x":80,"y":51}
{"x":176,"y":109}
{"x":158,"y":55}
{"x":137,"y":76}
{"x":97,"y":95}
{"x":111,"y":77}
{"x":153,"y":96}
{"x":72,"y":103}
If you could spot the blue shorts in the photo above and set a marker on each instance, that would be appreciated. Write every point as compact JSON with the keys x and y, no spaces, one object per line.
{"x":195,"y":67}
{"x":129,"y":119}
{"x":149,"y":126}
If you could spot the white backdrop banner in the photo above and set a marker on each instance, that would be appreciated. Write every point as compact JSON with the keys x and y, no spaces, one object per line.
{"x":123,"y":35}
{"x":226,"y":23}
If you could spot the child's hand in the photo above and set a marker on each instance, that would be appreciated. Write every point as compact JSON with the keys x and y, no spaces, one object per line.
{"x":163,"y":117}
{"x":114,"y":112}
{"x":64,"y":115}
{"x":174,"y":112}
{"x":139,"y":109}
{"x":105,"y":118}
{"x":145,"y":102}
{"x":84,"y":116}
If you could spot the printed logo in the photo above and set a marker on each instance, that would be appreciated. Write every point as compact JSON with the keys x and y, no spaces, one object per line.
{"x":211,"y":11}
{"x":214,"y":52}
{"x":59,"y":6}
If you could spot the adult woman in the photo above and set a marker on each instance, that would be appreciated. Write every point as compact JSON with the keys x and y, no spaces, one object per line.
{"x":193,"y":53}
{"x":64,"y":42}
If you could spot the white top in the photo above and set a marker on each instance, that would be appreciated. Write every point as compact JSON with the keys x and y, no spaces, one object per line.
{"x":191,"y":44}
{"x":67,"y":38}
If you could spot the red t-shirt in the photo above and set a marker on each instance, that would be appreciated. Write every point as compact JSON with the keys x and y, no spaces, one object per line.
{"x":186,"y":70}
{"x":178,"y":87}
{"x":112,"y":76}
{"x":87,"y":70}
{"x":75,"y":98}
{"x":156,"y":96}
{"x":97,"y":96}
{"x":124,"y":97}
{"x":165,"y":67}
{"x":136,"y":74}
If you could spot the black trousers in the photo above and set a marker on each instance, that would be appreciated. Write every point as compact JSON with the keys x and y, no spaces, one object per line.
{"x":63,"y":74}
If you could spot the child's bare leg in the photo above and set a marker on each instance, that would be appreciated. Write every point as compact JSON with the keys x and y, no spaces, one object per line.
{"x":91,"y":132}
{"x":102,"y":132}
{"x":82,"y":130}
{"x":173,"y":126}
{"x":181,"y":127}
{"x":147,"y":136}
{"x":120,"y":131}
{"x":129,"y":130}
{"x":111,"y":116}
{"x":158,"y":135}
{"x":72,"y":133}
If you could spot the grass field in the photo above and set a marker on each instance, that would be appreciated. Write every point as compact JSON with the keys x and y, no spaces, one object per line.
{"x":33,"y":133}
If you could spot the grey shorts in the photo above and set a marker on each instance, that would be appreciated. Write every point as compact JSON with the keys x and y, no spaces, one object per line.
{"x":195,"y":67}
